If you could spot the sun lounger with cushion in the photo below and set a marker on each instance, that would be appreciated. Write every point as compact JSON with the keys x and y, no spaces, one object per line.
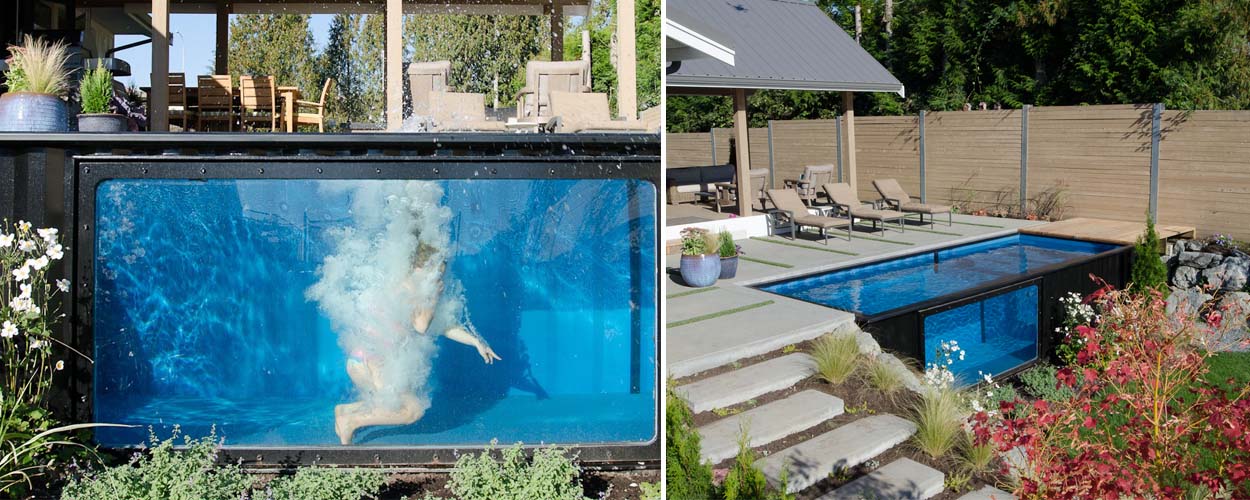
{"x":844,"y":198}
{"x":895,"y":197}
{"x":791,"y":207}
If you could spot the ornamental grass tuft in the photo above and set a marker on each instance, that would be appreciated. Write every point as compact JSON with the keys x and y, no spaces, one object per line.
{"x":938,"y":414}
{"x":837,"y":357}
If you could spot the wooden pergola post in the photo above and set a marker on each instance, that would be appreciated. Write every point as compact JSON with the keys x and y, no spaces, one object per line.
{"x":159,"y":97}
{"x":627,"y":62}
{"x":555,"y":16}
{"x":394,"y":64}
{"x":848,"y":104}
{"x":743,"y":159}
{"x":221,"y":65}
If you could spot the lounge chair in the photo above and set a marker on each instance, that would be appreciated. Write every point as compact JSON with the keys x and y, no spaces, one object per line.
{"x":791,"y":208}
{"x":423,"y":78}
{"x":586,"y":112}
{"x":727,"y":192}
{"x":461,"y":112}
{"x":544,"y":77}
{"x":844,"y":198}
{"x":808,"y":185}
{"x":894,"y":197}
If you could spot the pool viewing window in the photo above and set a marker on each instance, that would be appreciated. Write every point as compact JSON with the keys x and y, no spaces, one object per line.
{"x":995,"y":298}
{"x":296,"y":312}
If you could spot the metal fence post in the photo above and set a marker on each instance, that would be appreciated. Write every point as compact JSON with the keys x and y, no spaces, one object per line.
{"x":712,"y":133}
{"x":1156,"y":134}
{"x":772,"y":167}
{"x":1024,"y":158}
{"x":837,"y":130}
{"x":923,"y":197}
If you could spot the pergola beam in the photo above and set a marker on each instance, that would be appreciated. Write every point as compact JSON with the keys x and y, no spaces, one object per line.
{"x":743,"y":149}
{"x":627,"y":62}
{"x":160,"y":66}
{"x":394,"y":64}
{"x":221,"y":65}
{"x":848,"y":105}
{"x":555,"y":18}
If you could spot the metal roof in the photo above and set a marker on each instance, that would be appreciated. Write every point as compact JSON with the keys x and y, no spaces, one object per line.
{"x":778,"y":44}
{"x":688,"y":37}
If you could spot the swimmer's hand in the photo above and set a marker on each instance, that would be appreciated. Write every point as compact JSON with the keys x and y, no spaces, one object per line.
{"x":488,"y":355}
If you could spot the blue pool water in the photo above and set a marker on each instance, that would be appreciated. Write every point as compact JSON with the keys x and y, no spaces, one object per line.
{"x":881,"y":287}
{"x":237,"y":303}
{"x":997,"y":333}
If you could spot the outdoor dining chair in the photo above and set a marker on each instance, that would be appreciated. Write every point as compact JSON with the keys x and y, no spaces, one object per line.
{"x":178,"y":99}
{"x":790,"y":209}
{"x":423,"y":78}
{"x":216,"y":101}
{"x":317,"y":110}
{"x":544,"y":77}
{"x":895,"y":197}
{"x":844,"y":198}
{"x":258,"y":102}
{"x":727,"y":192}
{"x":808,"y":185}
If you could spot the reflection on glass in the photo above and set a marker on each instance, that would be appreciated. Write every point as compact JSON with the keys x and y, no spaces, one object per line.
{"x":998,"y":333}
{"x":376,"y":312}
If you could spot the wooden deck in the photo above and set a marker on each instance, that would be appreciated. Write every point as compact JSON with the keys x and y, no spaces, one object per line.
{"x":1105,"y":231}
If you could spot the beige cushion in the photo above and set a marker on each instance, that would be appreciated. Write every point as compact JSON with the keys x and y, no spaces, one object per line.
{"x":820,"y":221}
{"x":871,"y":214}
{"x":426,"y":77}
{"x":586,"y":111}
{"x":925,"y":208}
{"x":460,"y":111}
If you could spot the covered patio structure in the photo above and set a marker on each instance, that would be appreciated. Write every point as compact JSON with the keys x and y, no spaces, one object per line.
{"x":735,"y":49}
{"x":556,"y":11}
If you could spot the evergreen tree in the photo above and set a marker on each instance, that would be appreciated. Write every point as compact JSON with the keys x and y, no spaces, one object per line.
{"x":278,"y":45}
{"x":481,"y":49}
{"x":1149,"y":271}
{"x":687,"y":476}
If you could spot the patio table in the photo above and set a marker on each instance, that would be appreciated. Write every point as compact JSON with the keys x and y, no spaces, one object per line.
{"x":289,"y":95}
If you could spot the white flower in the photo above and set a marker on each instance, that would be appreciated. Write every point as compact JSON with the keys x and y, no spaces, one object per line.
{"x":21,"y":273}
{"x":37,"y":344}
{"x":9,"y":330}
{"x":39,"y":263}
{"x":55,"y":251}
{"x":6,"y":240}
{"x":23,"y":226}
{"x":26,"y":288}
{"x":23,"y":304}
{"x":62,"y":285}
{"x":60,"y":365}
{"x":47,"y":233}
{"x":961,"y":355}
{"x":26,"y":245}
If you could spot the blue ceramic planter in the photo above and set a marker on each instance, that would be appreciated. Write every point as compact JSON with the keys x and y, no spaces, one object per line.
{"x":31,"y":112}
{"x":700,"y":270}
{"x":728,"y":267}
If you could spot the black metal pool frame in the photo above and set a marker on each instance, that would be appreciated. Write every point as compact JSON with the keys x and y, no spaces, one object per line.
{"x":50,"y":180}
{"x":901,"y":330}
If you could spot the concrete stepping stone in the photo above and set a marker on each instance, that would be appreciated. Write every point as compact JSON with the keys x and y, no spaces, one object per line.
{"x":731,"y":388}
{"x":768,"y":423}
{"x":988,"y":493}
{"x":902,"y":479}
{"x":847,"y":446}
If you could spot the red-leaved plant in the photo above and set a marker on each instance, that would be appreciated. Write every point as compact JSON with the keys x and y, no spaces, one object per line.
{"x":1144,"y":423}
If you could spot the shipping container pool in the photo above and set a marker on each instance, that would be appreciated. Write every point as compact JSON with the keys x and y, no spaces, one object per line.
{"x":994,"y":297}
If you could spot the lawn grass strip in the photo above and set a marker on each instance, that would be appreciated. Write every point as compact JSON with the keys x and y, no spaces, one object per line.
{"x":691,"y":292}
{"x":765,"y":262}
{"x":933,"y":231}
{"x":976,"y":224}
{"x":718,"y":314}
{"x":883,"y":240}
{"x":787,"y":243}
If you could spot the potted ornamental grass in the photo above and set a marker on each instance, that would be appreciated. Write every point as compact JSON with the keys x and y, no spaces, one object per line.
{"x":97,"y":114}
{"x":700,"y":259}
{"x":729,"y":253}
{"x":36,"y":79}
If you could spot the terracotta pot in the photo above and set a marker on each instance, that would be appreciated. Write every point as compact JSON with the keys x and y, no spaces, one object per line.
{"x":32,"y":112}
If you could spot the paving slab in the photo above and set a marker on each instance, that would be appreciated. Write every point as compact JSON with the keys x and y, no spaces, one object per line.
{"x":988,"y":493}
{"x":699,"y":304}
{"x":731,"y":388}
{"x":847,"y":446}
{"x":768,"y":423}
{"x":902,"y":479}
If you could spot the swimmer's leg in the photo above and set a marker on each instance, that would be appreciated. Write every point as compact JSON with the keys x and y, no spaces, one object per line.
{"x":357,"y":415}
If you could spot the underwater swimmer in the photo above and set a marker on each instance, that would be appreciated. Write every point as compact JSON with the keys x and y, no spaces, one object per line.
{"x":369,"y":373}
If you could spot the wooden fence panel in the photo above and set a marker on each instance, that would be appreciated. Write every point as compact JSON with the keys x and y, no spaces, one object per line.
{"x":798,"y":144}
{"x":1100,"y":155}
{"x":1204,"y":171}
{"x":972,"y":159}
{"x":887,"y":146}
{"x":687,"y":150}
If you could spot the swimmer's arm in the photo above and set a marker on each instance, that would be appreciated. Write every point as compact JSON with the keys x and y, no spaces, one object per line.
{"x":459,"y":334}
{"x":422,"y":316}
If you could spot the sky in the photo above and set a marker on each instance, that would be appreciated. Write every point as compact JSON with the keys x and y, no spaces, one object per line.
{"x":194,"y":37}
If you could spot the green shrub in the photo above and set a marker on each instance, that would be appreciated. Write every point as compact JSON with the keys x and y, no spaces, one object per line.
{"x":96,"y":90}
{"x":166,"y":474}
{"x":315,"y":483}
{"x":550,"y":474}
{"x":687,"y":476}
{"x":938,"y":415}
{"x":837,"y":357}
{"x":726,"y":244}
{"x":744,"y":481}
{"x":650,"y":491}
{"x":697,"y":241}
{"x":1149,"y":271}
{"x":1040,"y":382}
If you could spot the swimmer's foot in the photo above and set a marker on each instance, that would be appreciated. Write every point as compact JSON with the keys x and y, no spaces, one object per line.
{"x":344,"y":429}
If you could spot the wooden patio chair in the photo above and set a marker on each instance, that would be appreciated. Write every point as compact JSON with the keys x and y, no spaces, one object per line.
{"x":808,"y":185}
{"x":790,"y":209}
{"x":317,"y":110}
{"x":727,"y":192}
{"x":178,"y":109}
{"x":893,"y":195}
{"x":461,"y":112}
{"x":216,"y":101}
{"x":258,"y":102}
{"x":544,"y":77}
{"x":423,"y":78}
{"x":586,"y":112}
{"x":844,"y":198}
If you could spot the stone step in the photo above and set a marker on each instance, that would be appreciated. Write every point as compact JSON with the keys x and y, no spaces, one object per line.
{"x":847,"y":446}
{"x":768,"y":423}
{"x":902,"y":479}
{"x":731,"y":388}
{"x":988,"y":493}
